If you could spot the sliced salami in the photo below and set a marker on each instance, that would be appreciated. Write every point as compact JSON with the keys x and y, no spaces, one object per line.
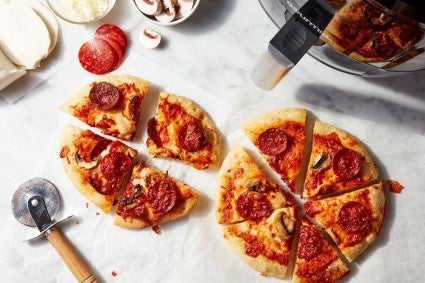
{"x":114,"y":33}
{"x":117,"y":47}
{"x":346,"y":164}
{"x":253,"y":205}
{"x":114,"y":165}
{"x":191,"y":137}
{"x":104,"y":95}
{"x":97,"y":56}
{"x":272,"y":142}
{"x":354,"y":217}
{"x":163,"y":195}
{"x":310,"y":243}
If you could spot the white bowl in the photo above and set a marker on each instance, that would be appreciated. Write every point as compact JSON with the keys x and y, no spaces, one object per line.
{"x":152,"y":19}
{"x":66,"y":12}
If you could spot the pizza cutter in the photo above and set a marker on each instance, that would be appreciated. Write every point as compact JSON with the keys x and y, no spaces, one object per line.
{"x":33,"y":204}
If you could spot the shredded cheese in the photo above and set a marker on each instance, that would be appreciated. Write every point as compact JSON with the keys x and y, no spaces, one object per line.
{"x":82,"y":10}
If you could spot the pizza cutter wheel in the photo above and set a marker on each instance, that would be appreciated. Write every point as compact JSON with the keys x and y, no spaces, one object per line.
{"x":33,"y":203}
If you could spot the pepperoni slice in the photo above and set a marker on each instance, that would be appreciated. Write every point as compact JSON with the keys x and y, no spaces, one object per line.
{"x":191,"y":137}
{"x":97,"y":56}
{"x":117,"y":47}
{"x":163,"y":195}
{"x":114,"y":33}
{"x":104,"y":95}
{"x":310,"y":243}
{"x":114,"y":165}
{"x":354,"y":217}
{"x":253,"y":206}
{"x":272,"y":142}
{"x":346,"y":164}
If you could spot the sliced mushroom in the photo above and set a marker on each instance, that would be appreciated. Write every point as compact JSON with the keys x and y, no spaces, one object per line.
{"x":149,"y":38}
{"x":168,"y":13}
{"x":283,"y":222}
{"x":183,"y":7}
{"x":149,"y":7}
{"x":167,"y":4}
{"x":259,"y":186}
{"x":85,"y":164}
{"x":322,"y":161}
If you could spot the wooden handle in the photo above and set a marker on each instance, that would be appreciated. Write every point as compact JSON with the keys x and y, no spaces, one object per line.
{"x":70,"y":256}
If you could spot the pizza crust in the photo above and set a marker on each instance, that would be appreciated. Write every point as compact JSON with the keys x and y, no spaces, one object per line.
{"x":275,"y":118}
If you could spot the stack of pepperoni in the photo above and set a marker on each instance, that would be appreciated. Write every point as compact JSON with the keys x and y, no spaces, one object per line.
{"x":103,"y":53}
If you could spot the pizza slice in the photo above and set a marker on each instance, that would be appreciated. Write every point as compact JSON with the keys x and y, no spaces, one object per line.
{"x":363,"y":14}
{"x":338,"y":162}
{"x":403,"y":34}
{"x":95,"y":165}
{"x":353,"y":220}
{"x":317,"y":260}
{"x":379,"y":48}
{"x":181,"y":130}
{"x":152,"y":197}
{"x":265,"y":245}
{"x":111,"y":104}
{"x":245,"y":192}
{"x":280,"y":137}
{"x":346,"y":36}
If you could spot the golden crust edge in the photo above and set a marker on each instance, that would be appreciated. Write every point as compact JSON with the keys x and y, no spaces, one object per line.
{"x":260,"y":263}
{"x":273,"y":118}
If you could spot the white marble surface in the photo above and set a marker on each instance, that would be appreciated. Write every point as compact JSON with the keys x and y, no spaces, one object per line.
{"x":215,"y":49}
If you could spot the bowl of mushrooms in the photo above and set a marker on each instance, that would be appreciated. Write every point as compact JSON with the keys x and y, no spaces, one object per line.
{"x":166,"y":12}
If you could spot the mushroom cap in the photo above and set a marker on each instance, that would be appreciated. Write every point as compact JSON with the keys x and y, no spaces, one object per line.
{"x":149,"y":38}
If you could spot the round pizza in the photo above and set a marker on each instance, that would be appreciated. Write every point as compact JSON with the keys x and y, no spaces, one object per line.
{"x":342,"y":200}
